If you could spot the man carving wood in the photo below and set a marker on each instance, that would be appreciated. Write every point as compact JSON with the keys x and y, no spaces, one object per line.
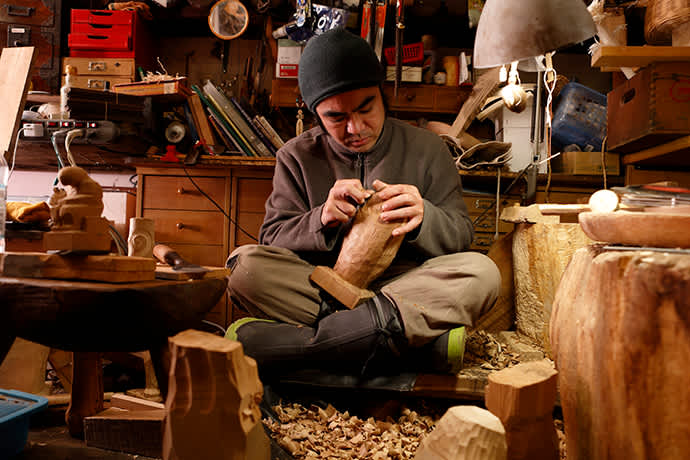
{"x":432,"y":287}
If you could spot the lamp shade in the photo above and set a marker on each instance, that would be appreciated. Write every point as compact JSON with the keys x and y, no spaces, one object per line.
{"x":513,"y":30}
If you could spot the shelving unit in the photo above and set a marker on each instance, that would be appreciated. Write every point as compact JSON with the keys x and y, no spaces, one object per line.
{"x":672,"y":154}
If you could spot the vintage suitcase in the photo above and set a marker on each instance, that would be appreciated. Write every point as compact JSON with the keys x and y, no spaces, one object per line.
{"x":35,"y":23}
{"x":651,"y":108}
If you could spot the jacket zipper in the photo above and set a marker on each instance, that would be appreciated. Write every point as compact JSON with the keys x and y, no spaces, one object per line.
{"x":359,"y":163}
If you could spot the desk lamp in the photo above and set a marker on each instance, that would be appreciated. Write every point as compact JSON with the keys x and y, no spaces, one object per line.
{"x":512,"y":31}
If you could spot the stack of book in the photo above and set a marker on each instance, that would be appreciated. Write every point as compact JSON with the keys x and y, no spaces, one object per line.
{"x":213,"y":112}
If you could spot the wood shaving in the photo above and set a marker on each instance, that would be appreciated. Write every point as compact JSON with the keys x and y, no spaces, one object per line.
{"x":483,"y":349}
{"x":317,"y":433}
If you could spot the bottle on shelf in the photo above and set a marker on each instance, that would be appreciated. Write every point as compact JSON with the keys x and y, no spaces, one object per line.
{"x":70,"y":71}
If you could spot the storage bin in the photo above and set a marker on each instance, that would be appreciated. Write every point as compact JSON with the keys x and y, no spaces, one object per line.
{"x":579,"y":117}
{"x":15,"y":408}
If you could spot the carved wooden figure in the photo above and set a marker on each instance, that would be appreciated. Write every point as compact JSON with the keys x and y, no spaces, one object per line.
{"x":465,"y":433}
{"x":367,"y":251}
{"x":77,"y":224}
{"x":522,"y":397}
{"x":213,"y":400}
{"x":141,"y":237}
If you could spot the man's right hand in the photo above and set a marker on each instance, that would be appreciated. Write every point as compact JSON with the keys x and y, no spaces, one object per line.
{"x":342,"y":201}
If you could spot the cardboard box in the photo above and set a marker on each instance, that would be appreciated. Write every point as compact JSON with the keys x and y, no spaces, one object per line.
{"x":586,"y":163}
{"x":287,"y":63}
{"x":409,"y":74}
{"x":651,"y":108}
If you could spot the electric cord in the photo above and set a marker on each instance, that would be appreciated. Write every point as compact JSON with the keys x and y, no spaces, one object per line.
{"x":14,"y":154}
{"x":73,"y":134}
{"x":253,"y":238}
{"x":495,"y":201}
{"x":53,"y":140}
{"x":120,"y":242}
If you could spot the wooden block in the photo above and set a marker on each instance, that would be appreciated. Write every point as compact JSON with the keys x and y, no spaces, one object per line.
{"x":526,"y":214}
{"x":132,"y":403}
{"x":108,"y":268}
{"x":213,"y":400}
{"x":522,"y":397}
{"x":465,"y":433}
{"x":344,"y":292}
{"x":621,"y":339}
{"x":541,"y":253}
{"x":136,"y":432}
{"x":165,"y":272}
{"x":501,"y":316}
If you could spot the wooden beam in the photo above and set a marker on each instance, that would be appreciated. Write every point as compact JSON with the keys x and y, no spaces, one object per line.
{"x":485,"y":85}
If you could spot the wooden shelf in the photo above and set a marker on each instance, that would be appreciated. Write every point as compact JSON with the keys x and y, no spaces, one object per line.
{"x":638,"y":56}
{"x":670,"y":154}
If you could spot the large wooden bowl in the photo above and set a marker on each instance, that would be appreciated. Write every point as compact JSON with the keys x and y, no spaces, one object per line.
{"x":663,"y":230}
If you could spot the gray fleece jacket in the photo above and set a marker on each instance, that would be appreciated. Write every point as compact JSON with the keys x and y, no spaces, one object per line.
{"x":307,"y":167}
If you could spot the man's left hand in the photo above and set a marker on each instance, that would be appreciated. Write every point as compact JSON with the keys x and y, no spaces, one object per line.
{"x":401,"y":202}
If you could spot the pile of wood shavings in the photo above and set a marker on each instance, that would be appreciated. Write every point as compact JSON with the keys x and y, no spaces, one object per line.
{"x":318,"y":433}
{"x":484,"y":350}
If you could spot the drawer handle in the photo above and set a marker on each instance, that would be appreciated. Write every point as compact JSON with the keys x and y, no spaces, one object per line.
{"x":180,"y":226}
{"x":96,"y":66}
{"x":410,"y":97}
{"x":97,"y":84}
{"x":18,"y":10}
{"x":181,"y":191}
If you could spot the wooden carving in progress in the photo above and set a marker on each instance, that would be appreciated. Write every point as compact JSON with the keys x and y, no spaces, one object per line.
{"x":465,"y":433}
{"x":141,"y":238}
{"x":367,"y":251}
{"x":213,"y":400}
{"x":77,"y":224}
{"x":522,"y":397}
{"x":620,"y":332}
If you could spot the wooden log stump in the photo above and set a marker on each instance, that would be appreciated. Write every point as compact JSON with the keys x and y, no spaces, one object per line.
{"x":367,"y":251}
{"x":620,"y":333}
{"x":541,"y":251}
{"x":522,"y":397}
{"x":213,"y":401}
{"x":465,"y":433}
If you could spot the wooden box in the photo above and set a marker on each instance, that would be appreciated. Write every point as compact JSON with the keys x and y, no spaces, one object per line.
{"x":651,"y":108}
{"x":586,"y":163}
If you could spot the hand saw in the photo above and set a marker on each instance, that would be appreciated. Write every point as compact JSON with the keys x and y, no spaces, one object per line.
{"x":381,"y":7}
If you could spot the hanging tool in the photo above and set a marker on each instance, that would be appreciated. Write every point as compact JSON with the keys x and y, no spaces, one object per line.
{"x":368,"y":23}
{"x":381,"y":7}
{"x":399,"y":29}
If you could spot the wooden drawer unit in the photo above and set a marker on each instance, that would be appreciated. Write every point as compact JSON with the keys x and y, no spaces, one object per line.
{"x":413,"y":98}
{"x":187,"y":219}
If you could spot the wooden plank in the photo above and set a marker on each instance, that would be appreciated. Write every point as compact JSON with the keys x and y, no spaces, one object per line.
{"x":638,"y":56}
{"x":132,"y":403}
{"x":657,"y":151}
{"x":15,"y":65}
{"x":484,"y":86}
{"x":164,"y":272}
{"x":107,"y":268}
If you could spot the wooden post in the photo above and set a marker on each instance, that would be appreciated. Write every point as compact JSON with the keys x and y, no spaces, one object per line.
{"x":620,"y":333}
{"x":522,"y":397}
{"x":213,"y":401}
{"x":87,"y":390}
{"x":465,"y":433}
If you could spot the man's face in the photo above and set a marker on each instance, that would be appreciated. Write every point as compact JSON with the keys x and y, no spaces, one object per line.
{"x":354,"y":118}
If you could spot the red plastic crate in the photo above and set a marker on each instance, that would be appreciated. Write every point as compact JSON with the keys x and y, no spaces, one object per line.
{"x":412,"y":54}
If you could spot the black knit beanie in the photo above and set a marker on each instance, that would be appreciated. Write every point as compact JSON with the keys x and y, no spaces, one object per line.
{"x":335,"y":62}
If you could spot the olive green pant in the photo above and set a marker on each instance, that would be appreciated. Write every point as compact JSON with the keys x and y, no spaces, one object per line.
{"x":442,"y":293}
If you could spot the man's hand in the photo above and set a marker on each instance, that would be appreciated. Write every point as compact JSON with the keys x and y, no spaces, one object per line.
{"x":342,"y":201}
{"x":400,"y":202}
